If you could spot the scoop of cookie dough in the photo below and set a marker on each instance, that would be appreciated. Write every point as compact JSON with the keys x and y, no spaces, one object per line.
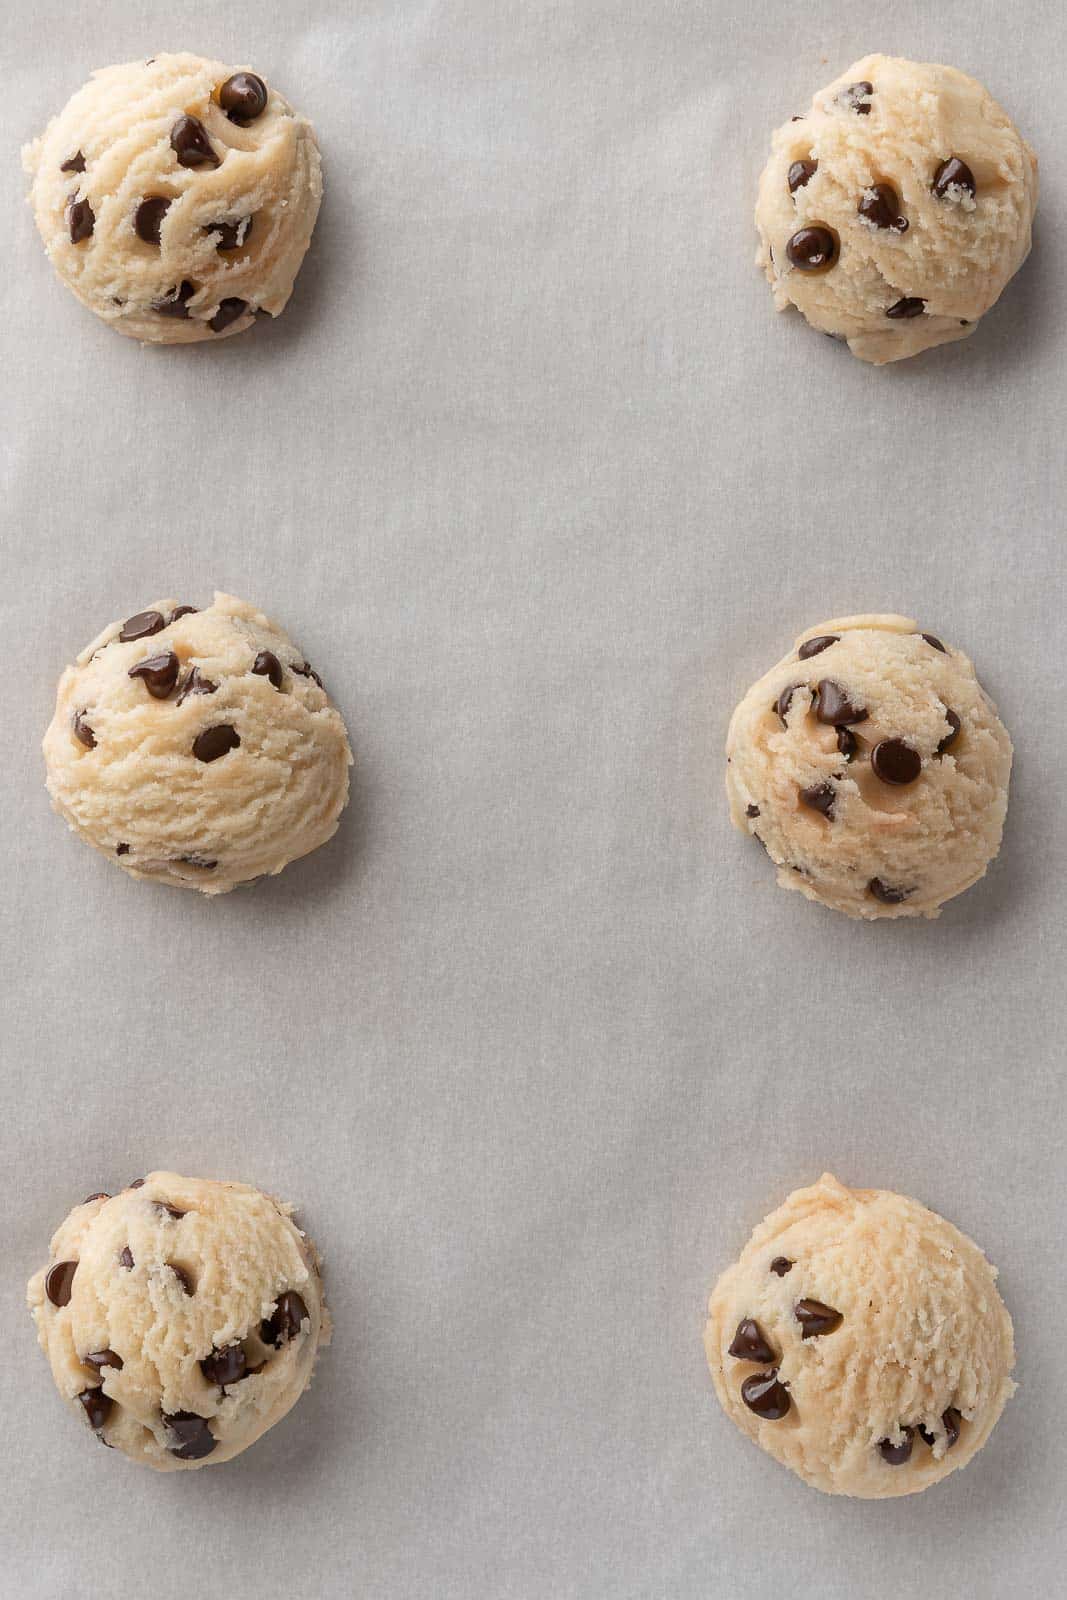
{"x":861,"y":1341}
{"x":895,"y":211}
{"x":197,"y":748}
{"x":181,"y":1317}
{"x":872,"y":767}
{"x":176,"y":197}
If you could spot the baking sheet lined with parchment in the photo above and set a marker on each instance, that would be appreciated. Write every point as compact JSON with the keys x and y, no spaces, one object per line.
{"x":535,"y":476}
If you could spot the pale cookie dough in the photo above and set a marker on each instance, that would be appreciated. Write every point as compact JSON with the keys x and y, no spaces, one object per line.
{"x":181,"y":1317}
{"x":176,"y":197}
{"x":895,"y":211}
{"x":861,"y":1341}
{"x":197,"y":748}
{"x":872,"y":767}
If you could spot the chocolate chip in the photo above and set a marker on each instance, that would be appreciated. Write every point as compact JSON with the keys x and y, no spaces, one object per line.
{"x":232,"y":235}
{"x":814,"y":647}
{"x":230,"y":311}
{"x":183,"y":611}
{"x":81,"y":220}
{"x":847,"y":743}
{"x":953,"y":174}
{"x":160,"y":673}
{"x":909,"y":306}
{"x":763,"y":1394}
{"x":75,"y":163}
{"x":785,"y":700}
{"x":148,"y":218}
{"x":815,"y":1318}
{"x":182,"y":1277}
{"x":191,"y":145}
{"x":880,"y":206}
{"x":752,"y":811}
{"x":216,"y":742}
{"x":749,"y":1343}
{"x":243,"y":98}
{"x":224,"y":1366}
{"x":82,"y":731}
{"x":950,"y":1421}
{"x":58,"y":1281}
{"x":103,"y":1358}
{"x":196,"y":683}
{"x":267,"y":665}
{"x":142,"y":626}
{"x":832,"y":705}
{"x":813,"y":249}
{"x":932,"y":639}
{"x":284,"y":1323}
{"x":176,"y":304}
{"x":894,"y":761}
{"x":204,"y":863}
{"x":97,"y":1407}
{"x":897,"y":1454}
{"x":819,"y":797}
{"x":99,"y":1195}
{"x":953,"y":734}
{"x":126,"y":1258}
{"x":781,"y":1265}
{"x":168,"y":1210}
{"x":195,"y":1438}
{"x":307,"y":671}
{"x":801,"y":174}
{"x":122,"y":849}
{"x":136,"y":1183}
{"x":857,"y":98}
{"x":886,"y":893}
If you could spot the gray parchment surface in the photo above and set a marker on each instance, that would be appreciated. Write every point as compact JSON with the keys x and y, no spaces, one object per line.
{"x":539,"y":481}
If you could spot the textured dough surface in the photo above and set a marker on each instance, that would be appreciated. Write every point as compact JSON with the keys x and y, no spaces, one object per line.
{"x":924,"y":841}
{"x":923,"y":1330}
{"x":120,"y":122}
{"x":198,"y":825}
{"x":239,"y":1251}
{"x":957,"y":254}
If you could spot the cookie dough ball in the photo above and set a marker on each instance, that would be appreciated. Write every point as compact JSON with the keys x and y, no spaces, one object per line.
{"x":895,"y":211}
{"x":197,"y":748}
{"x":861,"y":1341}
{"x":872,"y":767}
{"x":181,"y":1317}
{"x":176,"y":197}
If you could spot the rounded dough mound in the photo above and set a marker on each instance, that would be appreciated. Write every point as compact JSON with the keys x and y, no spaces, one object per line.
{"x":167,"y":1275}
{"x":809,"y":790}
{"x":958,"y":251}
{"x":923,"y":1340}
{"x":121,"y":762}
{"x":114,"y":138}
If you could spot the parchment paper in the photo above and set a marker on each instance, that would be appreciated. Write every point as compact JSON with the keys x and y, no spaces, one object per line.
{"x":540,"y":482}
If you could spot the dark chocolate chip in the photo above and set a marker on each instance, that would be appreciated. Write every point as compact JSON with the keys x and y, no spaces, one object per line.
{"x":149,"y":216}
{"x":763,"y":1394}
{"x":886,"y":893}
{"x":126,"y":1258}
{"x":936,"y":642}
{"x":752,"y":811}
{"x":801,"y":174}
{"x":950,"y":1421}
{"x":832,"y":705}
{"x":857,"y":98}
{"x":103,"y":1358}
{"x":894,"y":761}
{"x":81,"y":220}
{"x":897,"y":1454}
{"x":196,"y":683}
{"x":814,"y":248}
{"x":909,"y":306}
{"x":195,"y":1438}
{"x":785,"y":700}
{"x":243,"y":97}
{"x":216,"y":742}
{"x":75,"y":163}
{"x":749,"y":1343}
{"x":97,"y":1407}
{"x":284,"y":1322}
{"x":224,"y":1366}
{"x":230,"y":311}
{"x":58,"y":1281}
{"x":953,"y":174}
{"x":880,"y":206}
{"x":99,"y":1195}
{"x":136,"y":1183}
{"x":176,"y":304}
{"x":815,"y":1318}
{"x":168,"y":1210}
{"x":183,"y":611}
{"x":307,"y":671}
{"x":781,"y":1265}
{"x":182,"y":1277}
{"x":159,"y":673}
{"x":953,"y":734}
{"x":232,"y":235}
{"x":267,"y":665}
{"x":141,"y":626}
{"x":814,"y":647}
{"x":847,"y":743}
{"x":204,"y":863}
{"x":122,"y":849}
{"x":191,"y":145}
{"x":819,"y":797}
{"x":82,"y":731}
